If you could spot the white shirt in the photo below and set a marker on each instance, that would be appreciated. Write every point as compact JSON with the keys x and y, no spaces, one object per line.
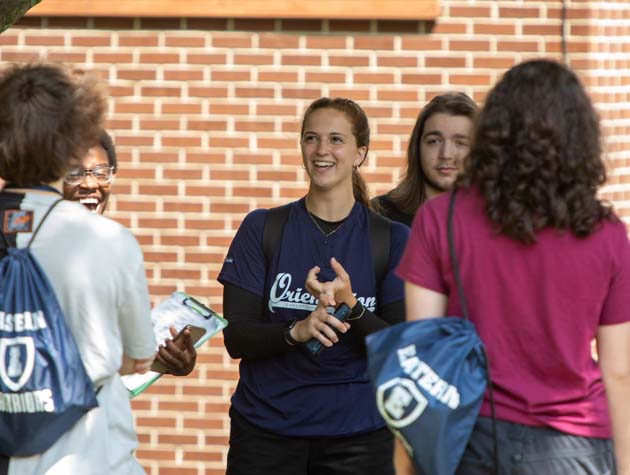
{"x":96,"y":268}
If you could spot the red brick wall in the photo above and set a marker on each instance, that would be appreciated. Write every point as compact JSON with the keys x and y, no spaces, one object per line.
{"x":604,"y":59}
{"x":205,"y":114}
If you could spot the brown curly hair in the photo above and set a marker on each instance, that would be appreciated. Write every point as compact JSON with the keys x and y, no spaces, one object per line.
{"x":536,"y":153}
{"x":50,"y":119}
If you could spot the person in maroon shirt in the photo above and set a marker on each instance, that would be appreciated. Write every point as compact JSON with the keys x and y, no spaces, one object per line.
{"x":545,"y":266}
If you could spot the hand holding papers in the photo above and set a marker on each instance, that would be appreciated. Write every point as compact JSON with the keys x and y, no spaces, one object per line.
{"x":180,"y":311}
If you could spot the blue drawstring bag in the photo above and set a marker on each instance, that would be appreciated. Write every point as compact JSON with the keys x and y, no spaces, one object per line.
{"x":430,"y":376}
{"x":44,"y":388}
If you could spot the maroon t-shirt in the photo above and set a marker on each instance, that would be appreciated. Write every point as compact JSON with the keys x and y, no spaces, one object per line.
{"x":536,"y":307}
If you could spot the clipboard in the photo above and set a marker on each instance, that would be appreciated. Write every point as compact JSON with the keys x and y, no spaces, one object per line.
{"x":179,"y":310}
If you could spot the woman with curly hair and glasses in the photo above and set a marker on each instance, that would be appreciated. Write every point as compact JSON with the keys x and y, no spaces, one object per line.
{"x":90,"y":183}
{"x":545,"y":266}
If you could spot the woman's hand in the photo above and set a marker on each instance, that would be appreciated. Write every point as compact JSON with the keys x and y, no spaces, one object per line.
{"x":320,"y":324}
{"x":342,"y":285}
{"x":178,"y":355}
{"x":340,"y":288}
{"x":314,"y":286}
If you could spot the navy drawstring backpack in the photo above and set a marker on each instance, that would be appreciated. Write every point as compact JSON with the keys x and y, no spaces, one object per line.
{"x":44,"y":388}
{"x":430,"y":376}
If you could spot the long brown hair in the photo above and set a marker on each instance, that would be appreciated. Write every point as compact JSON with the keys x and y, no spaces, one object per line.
{"x":49,"y":119}
{"x":360,"y":130}
{"x":536,"y":154}
{"x":410,"y":192}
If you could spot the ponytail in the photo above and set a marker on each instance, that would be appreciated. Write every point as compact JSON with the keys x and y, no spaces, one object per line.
{"x":360,"y":189}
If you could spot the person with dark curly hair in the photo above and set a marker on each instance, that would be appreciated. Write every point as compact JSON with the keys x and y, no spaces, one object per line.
{"x":438,"y":146}
{"x":89,"y":183}
{"x":50,"y":118}
{"x":545,"y":266}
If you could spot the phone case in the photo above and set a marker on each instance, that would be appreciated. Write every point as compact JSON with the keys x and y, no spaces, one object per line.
{"x":195,"y":334}
{"x":314,"y":345}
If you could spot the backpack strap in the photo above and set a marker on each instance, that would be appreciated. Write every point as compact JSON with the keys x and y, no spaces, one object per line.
{"x":379,"y":229}
{"x":272,"y":231}
{"x":6,"y":242}
{"x":39,"y":226}
{"x":462,"y":301}
{"x":380,"y":241}
{"x":453,"y":255}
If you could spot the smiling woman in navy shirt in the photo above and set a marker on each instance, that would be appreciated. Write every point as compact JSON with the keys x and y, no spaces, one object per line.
{"x":292,"y":412}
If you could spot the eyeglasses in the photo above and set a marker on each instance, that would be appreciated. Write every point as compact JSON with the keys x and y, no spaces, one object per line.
{"x":101,"y":173}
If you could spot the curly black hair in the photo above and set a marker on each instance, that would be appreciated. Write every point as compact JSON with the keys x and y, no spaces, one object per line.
{"x":105,"y":141}
{"x":536,"y":153}
{"x":50,"y":118}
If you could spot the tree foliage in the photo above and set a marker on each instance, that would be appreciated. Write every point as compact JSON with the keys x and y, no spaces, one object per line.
{"x":12,"y":10}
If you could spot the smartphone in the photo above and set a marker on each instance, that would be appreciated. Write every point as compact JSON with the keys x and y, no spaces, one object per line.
{"x":314,"y":345}
{"x":195,"y":334}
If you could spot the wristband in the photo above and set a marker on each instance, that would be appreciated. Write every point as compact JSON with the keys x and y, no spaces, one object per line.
{"x":357,"y":312}
{"x":286,"y":333}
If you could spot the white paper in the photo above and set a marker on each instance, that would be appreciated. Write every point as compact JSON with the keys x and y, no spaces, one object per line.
{"x":178,"y":310}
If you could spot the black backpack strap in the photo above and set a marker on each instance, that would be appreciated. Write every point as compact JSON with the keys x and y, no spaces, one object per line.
{"x":453,"y":254}
{"x":6,"y":242}
{"x":272,"y":231}
{"x":464,"y":305}
{"x":380,"y":240}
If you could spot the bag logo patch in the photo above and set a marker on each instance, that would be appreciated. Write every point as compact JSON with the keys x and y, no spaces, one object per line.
{"x":17,"y":360}
{"x":400,"y":402}
{"x":17,"y":221}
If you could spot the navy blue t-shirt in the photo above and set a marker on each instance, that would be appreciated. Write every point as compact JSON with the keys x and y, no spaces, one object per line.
{"x":297,"y":394}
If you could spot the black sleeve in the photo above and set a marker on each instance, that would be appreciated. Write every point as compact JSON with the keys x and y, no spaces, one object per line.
{"x":391,"y":314}
{"x":247,"y":335}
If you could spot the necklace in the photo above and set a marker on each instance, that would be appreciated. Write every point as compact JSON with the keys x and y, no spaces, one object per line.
{"x":329,"y":233}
